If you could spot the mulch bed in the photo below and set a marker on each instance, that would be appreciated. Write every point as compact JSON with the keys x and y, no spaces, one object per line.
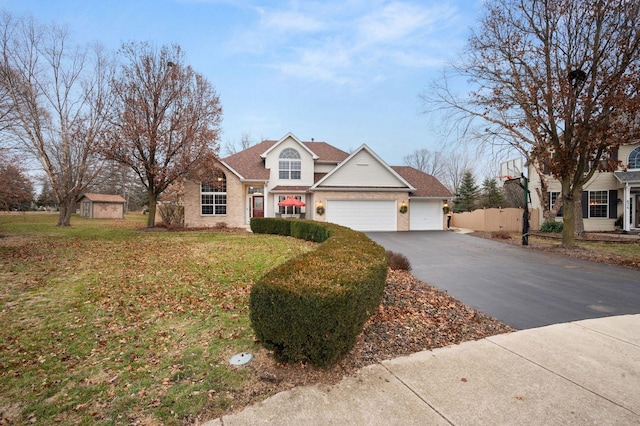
{"x":412,"y":317}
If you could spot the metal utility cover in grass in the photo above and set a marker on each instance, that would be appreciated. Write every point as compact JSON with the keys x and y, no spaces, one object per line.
{"x":241,"y":358}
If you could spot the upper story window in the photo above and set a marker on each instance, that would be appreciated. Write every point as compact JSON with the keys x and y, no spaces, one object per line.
{"x":213,"y":195}
{"x":634,"y":158}
{"x":290,"y":164}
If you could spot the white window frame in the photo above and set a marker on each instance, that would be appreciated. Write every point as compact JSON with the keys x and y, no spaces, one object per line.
{"x":287,"y":210}
{"x":634,"y":158}
{"x":213,"y":196}
{"x":290,"y":165}
{"x":553,"y":197}
{"x":596,"y":201}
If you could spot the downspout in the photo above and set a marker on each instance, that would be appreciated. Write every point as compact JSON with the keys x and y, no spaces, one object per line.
{"x":626,"y":217}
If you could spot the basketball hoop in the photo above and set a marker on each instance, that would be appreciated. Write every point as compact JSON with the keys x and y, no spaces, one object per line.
{"x":511,"y":169}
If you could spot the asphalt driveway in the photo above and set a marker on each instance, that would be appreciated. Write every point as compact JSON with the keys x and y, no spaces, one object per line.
{"x":522,"y":287}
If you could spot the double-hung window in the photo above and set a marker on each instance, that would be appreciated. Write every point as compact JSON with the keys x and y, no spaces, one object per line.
{"x":599,"y":204}
{"x":213,"y":196}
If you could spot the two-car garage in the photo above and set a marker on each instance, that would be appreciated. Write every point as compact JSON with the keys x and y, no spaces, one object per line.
{"x":363,"y":215}
{"x":382,"y":215}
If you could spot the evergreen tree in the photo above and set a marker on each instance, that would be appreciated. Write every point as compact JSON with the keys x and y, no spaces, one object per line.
{"x":467,"y":196}
{"x":46,"y":198}
{"x":492,"y":196}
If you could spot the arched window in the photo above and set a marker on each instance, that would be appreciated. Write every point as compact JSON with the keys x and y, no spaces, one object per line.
{"x":290,"y":165}
{"x":213,"y":195}
{"x":634,"y":158}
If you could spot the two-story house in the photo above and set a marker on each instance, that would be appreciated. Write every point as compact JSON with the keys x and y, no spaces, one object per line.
{"x":358,"y":190}
{"x":607,"y":197}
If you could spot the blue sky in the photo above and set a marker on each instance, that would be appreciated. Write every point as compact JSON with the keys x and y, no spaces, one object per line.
{"x":346,"y":72}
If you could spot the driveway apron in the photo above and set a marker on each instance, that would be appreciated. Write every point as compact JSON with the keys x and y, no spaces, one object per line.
{"x":520,"y":286}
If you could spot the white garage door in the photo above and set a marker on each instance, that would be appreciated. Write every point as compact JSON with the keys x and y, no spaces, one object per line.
{"x":370,"y":215}
{"x":425,"y":215}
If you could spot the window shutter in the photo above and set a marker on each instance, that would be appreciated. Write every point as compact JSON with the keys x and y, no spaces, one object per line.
{"x":585,"y":204}
{"x":613,"y":204}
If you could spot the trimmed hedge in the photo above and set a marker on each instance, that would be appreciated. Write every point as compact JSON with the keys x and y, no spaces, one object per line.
{"x":313,"y":307}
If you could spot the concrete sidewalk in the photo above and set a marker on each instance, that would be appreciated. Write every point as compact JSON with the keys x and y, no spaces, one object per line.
{"x":579,"y":373}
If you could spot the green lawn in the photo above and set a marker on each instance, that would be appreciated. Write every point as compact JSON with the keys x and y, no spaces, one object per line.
{"x":106,"y":323}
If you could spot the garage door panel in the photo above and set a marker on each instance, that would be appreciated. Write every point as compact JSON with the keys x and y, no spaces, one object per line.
{"x":425,"y":216}
{"x":361,"y":215}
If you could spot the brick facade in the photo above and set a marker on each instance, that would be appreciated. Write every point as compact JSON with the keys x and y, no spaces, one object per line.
{"x":237,"y":205}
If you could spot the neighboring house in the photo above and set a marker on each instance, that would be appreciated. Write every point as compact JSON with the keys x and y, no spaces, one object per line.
{"x":101,"y":206}
{"x":606,"y":197}
{"x":357,"y":190}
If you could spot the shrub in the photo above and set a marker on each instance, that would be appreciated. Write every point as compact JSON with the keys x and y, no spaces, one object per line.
{"x":313,"y":307}
{"x":172,"y":214}
{"x":551,"y":226}
{"x":398,"y":261}
{"x":309,"y":231}
{"x":271,"y":226}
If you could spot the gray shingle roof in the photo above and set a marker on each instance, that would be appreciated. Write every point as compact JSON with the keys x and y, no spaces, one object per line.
{"x":630,"y":177}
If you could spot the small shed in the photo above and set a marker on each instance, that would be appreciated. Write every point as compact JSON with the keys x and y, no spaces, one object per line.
{"x":101,"y":206}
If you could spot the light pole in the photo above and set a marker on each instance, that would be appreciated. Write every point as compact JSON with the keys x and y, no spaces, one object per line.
{"x":523,"y":182}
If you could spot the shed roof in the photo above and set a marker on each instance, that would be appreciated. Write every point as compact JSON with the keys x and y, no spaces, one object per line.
{"x":103,"y":198}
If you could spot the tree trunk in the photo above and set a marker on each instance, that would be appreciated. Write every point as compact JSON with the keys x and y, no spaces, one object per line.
{"x":66,"y":209}
{"x":543,"y":193}
{"x":579,"y":227}
{"x":151,"y":220}
{"x":569,"y":215}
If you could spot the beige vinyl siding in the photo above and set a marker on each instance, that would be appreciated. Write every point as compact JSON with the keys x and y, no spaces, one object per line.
{"x":363,"y":169}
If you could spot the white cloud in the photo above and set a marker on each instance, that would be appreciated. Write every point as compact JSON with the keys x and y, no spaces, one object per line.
{"x":286,"y":21}
{"x":342,"y":42}
{"x":392,"y":23}
{"x":324,"y":64}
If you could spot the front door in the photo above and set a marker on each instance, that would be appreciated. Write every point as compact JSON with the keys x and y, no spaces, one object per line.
{"x":257,"y":206}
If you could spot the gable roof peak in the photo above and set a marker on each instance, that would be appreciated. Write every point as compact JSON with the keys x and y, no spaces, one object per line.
{"x":284,"y":138}
{"x":365,"y":147}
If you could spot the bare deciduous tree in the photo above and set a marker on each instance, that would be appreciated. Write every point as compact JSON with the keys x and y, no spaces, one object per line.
{"x":117,"y":178}
{"x":456,"y":166}
{"x":55,"y":94}
{"x":166,"y":120}
{"x":233,"y":147}
{"x":430,"y":162}
{"x":557,"y":80}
